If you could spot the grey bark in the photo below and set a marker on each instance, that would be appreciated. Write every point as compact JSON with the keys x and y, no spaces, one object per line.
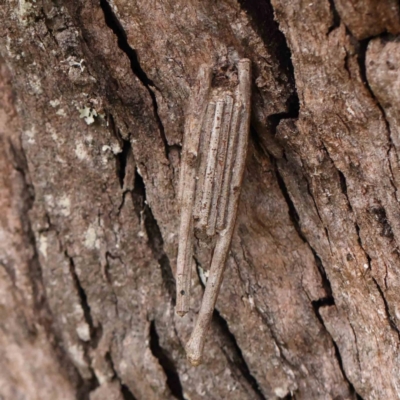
{"x":92,"y":109}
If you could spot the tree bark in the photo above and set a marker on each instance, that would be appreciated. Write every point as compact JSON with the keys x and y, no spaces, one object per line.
{"x":92,"y":108}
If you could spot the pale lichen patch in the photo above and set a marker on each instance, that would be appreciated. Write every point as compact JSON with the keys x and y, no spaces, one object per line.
{"x":30,"y":135}
{"x":54,"y":103}
{"x":91,"y":240}
{"x":59,"y":140}
{"x":64,"y":204}
{"x":43,"y":245}
{"x":61,"y":112}
{"x":80,"y":151}
{"x":78,"y":357}
{"x":83,"y":331}
{"x":24,"y":10}
{"x":88,"y":114}
{"x":35,"y":84}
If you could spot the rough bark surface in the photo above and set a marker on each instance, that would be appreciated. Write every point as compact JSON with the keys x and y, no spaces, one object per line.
{"x":93,"y":95}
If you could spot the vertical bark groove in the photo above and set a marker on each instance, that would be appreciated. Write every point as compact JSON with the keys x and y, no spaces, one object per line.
{"x":166,"y":363}
{"x":126,"y":393}
{"x":113,"y":23}
{"x":155,"y":239}
{"x":235,"y":354}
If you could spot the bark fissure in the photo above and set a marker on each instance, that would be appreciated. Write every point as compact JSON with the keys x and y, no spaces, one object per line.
{"x":82,"y":295}
{"x":294,"y":217}
{"x":278,"y":343}
{"x":335,"y":17}
{"x":234,"y":354}
{"x":109,"y":279}
{"x":262,"y":315}
{"x":121,"y":205}
{"x":340,"y":362}
{"x":115,"y":25}
{"x":43,"y":311}
{"x":122,"y":159}
{"x":262,"y":17}
{"x":166,"y":363}
{"x":387,"y":311}
{"x":361,"y":57}
{"x":95,"y":332}
{"x":328,"y":300}
{"x":155,"y":239}
{"x":126,"y":393}
{"x":381,"y":293}
{"x":293,"y":214}
{"x":83,"y":386}
{"x":230,"y":347}
{"x":293,"y":109}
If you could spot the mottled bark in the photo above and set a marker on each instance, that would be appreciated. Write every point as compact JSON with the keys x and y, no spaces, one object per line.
{"x":92,"y":110}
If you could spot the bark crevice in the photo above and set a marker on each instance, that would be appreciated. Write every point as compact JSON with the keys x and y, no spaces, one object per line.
{"x":230,"y":347}
{"x":328,"y":300}
{"x":94,"y":333}
{"x":115,"y":25}
{"x":154,"y":236}
{"x":295,"y":219}
{"x":335,"y":17}
{"x":166,"y":363}
{"x":361,"y":49}
{"x":263,"y":20}
{"x":42,"y":309}
{"x":389,"y":317}
{"x":340,"y":362}
{"x":234,"y":354}
{"x":126,"y":393}
{"x":387,"y":311}
{"x":122,"y":160}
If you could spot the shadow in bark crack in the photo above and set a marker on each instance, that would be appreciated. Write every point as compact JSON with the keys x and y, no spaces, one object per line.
{"x":230,"y":347}
{"x":262,"y":17}
{"x":95,"y":332}
{"x":113,"y":23}
{"x":293,"y":108}
{"x":155,"y":240}
{"x":173,"y":381}
{"x":126,"y":393}
{"x":335,"y":17}
{"x":234,"y":354}
{"x":121,"y":160}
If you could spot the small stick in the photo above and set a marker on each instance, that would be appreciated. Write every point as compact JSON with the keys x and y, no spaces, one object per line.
{"x":211,"y":162}
{"x":219,"y":172}
{"x":195,"y":114}
{"x":194,"y":348}
{"x":204,"y":149}
{"x":199,"y":99}
{"x":228,"y":168}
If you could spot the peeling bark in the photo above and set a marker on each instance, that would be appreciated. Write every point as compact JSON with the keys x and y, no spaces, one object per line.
{"x":92,"y":109}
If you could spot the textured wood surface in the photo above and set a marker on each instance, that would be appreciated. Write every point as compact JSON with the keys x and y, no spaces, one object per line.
{"x":93,"y":96}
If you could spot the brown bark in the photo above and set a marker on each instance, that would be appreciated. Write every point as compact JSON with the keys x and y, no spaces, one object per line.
{"x":92,"y":107}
